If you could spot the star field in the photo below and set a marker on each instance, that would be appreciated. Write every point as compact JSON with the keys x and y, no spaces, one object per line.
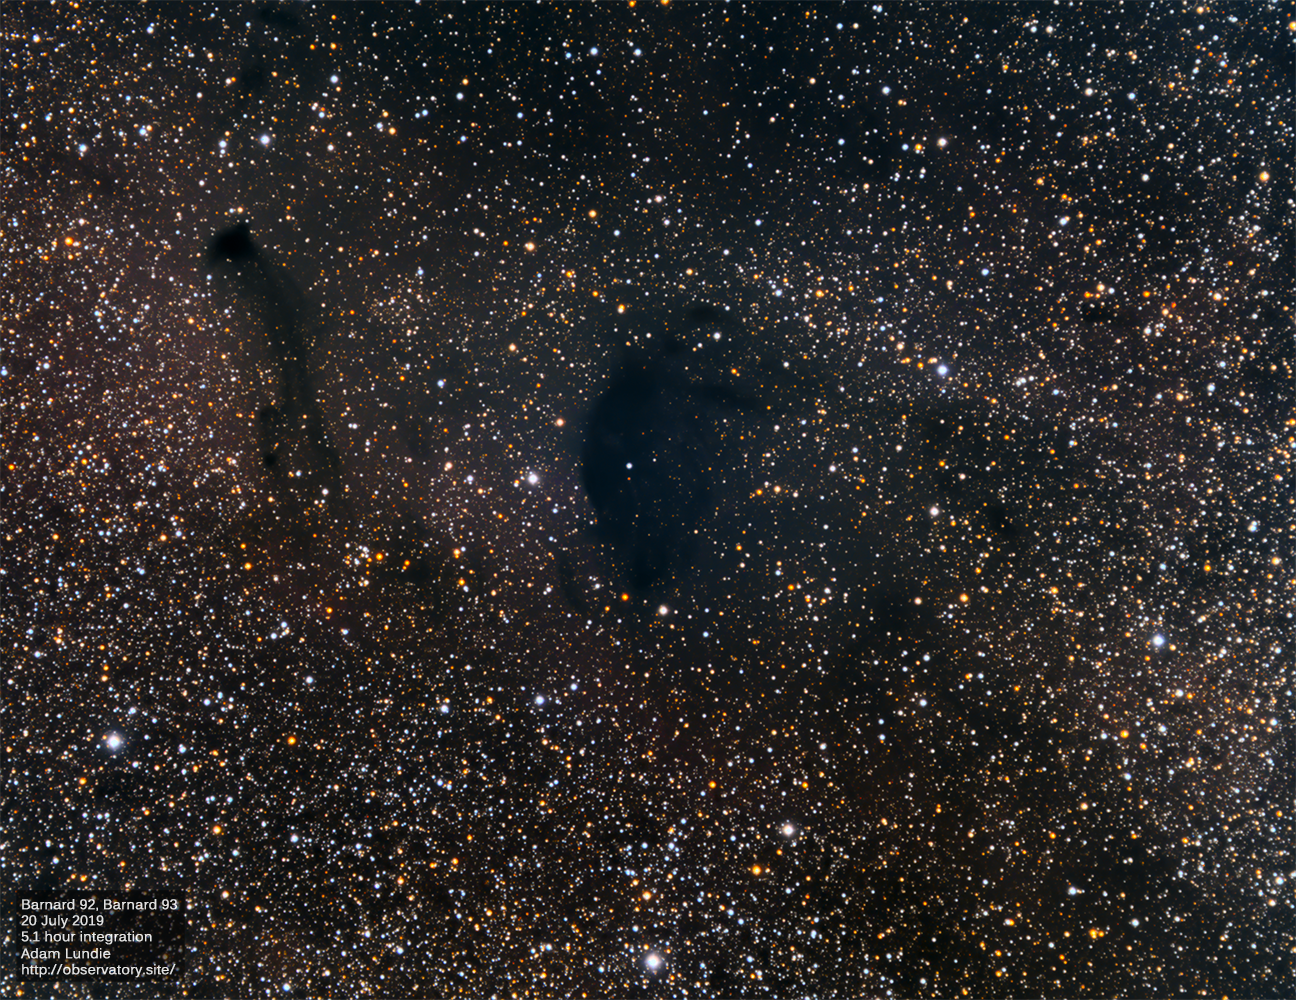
{"x":700,"y":500}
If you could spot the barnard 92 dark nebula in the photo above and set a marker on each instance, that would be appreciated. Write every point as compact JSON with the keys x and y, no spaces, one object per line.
{"x":647,"y":464}
{"x":624,"y":500}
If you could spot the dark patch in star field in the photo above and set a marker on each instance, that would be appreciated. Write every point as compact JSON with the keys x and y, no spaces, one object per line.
{"x":233,"y":246}
{"x":278,"y":16}
{"x":999,"y":521}
{"x":270,"y":420}
{"x":254,"y":78}
{"x":296,"y":422}
{"x":649,"y":460}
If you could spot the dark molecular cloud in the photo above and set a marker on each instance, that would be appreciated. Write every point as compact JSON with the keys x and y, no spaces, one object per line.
{"x":653,"y":449}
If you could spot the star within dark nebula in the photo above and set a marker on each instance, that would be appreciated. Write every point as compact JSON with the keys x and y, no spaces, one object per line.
{"x":693,"y":500}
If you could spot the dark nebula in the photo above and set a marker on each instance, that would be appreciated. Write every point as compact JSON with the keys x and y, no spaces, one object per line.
{"x":648,"y":464}
{"x":295,"y":422}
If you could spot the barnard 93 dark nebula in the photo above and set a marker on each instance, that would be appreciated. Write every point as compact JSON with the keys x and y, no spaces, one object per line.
{"x":624,"y":500}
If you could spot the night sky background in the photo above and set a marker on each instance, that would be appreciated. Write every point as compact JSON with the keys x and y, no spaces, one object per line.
{"x":623,"y":500}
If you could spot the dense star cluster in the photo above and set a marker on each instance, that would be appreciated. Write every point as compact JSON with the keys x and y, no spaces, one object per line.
{"x":691,"y":499}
